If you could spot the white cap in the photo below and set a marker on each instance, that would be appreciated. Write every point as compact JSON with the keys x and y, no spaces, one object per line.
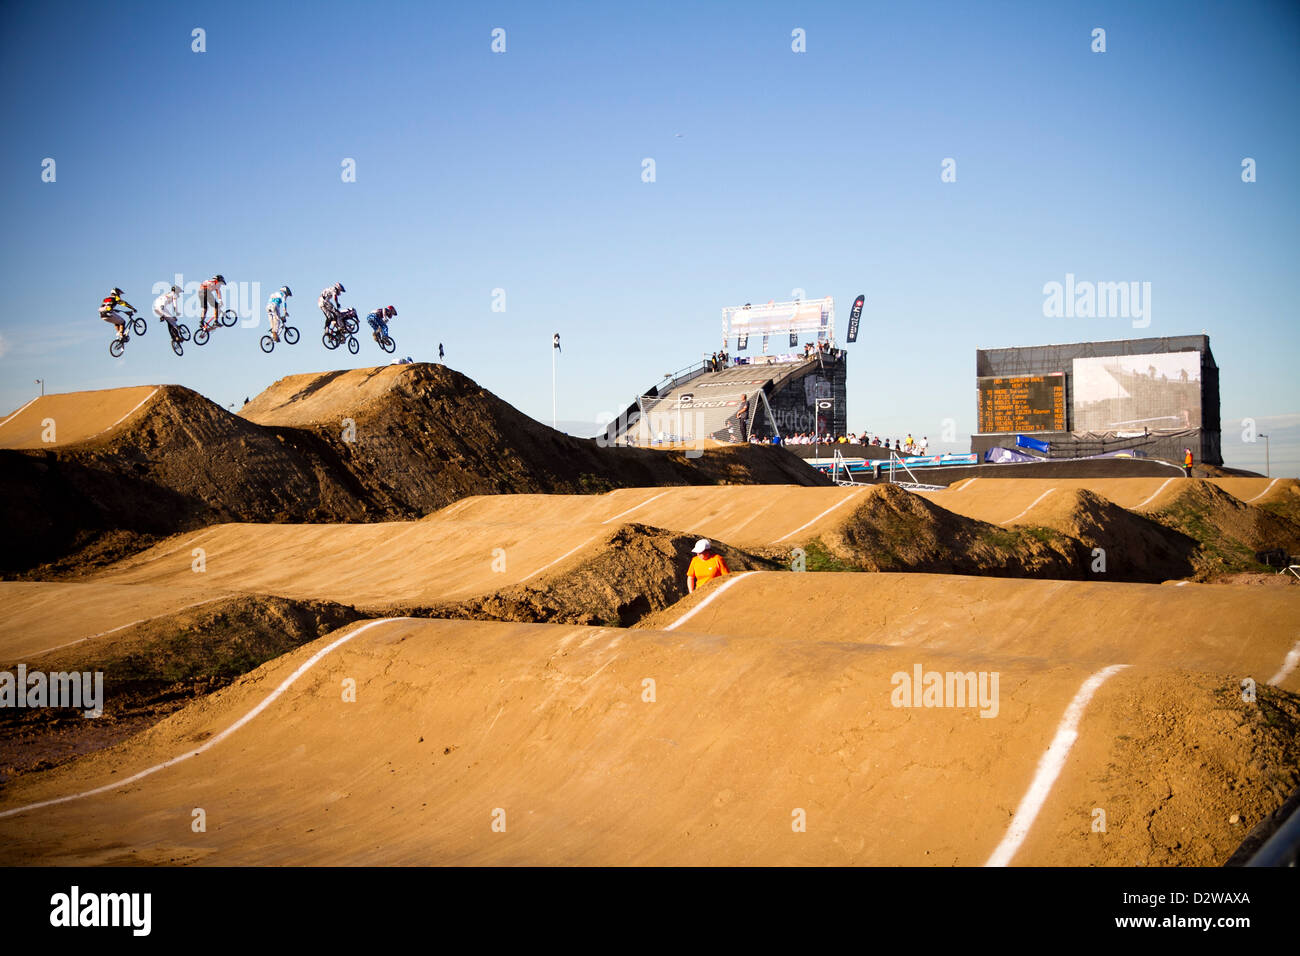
{"x":700,"y":546}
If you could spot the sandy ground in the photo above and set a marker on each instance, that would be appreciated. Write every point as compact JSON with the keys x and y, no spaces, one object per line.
{"x":705,"y":735}
{"x":549,"y":728}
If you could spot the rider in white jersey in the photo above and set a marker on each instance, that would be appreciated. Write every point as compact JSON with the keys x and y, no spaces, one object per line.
{"x":277,"y":310}
{"x":167,"y":308}
{"x":329,"y":304}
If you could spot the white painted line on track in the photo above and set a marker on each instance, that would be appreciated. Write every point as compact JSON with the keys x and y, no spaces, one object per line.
{"x":156,"y":390}
{"x":211,"y":742}
{"x":560,"y":558}
{"x":843,"y":501}
{"x":120,"y":627}
{"x":969,"y":483}
{"x":1288,"y":665}
{"x":1049,"y":768}
{"x":1248,"y":500}
{"x":1153,"y":496}
{"x":732,"y":579}
{"x":19,"y":412}
{"x":1030,"y":508}
{"x":634,"y":507}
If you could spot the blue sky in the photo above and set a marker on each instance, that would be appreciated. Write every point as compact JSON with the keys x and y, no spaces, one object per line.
{"x":775,"y":171}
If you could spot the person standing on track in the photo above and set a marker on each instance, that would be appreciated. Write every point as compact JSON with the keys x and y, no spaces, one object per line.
{"x":167,"y":308}
{"x":210,"y":291}
{"x":277,"y":310}
{"x":705,"y":566}
{"x":1187,"y":461}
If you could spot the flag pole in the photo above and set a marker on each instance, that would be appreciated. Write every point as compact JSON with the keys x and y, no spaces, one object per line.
{"x":553,"y":350}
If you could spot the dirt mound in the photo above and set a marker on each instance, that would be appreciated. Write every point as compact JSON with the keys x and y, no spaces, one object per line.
{"x":153,"y":668}
{"x":895,"y":530}
{"x":1230,"y":532}
{"x":417,"y":438}
{"x":1135,"y":547}
{"x":634,"y":571}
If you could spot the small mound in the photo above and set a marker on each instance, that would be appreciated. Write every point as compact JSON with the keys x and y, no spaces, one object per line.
{"x":634,"y":571}
{"x":1136,"y":548}
{"x":1230,"y":532}
{"x":895,"y":530}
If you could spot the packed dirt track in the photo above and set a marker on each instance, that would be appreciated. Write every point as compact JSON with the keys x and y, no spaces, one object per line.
{"x":492,"y":743}
{"x":58,"y":421}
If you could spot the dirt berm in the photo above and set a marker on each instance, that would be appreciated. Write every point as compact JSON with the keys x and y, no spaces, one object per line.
{"x":418,"y":437}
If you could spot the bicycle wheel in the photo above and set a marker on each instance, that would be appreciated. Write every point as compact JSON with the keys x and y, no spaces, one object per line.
{"x":183,"y":330}
{"x":352,"y":323}
{"x":201,"y":336}
{"x":228,"y":318}
{"x":353,"y":345}
{"x":177,"y":347}
{"x":290,"y":335}
{"x":139,"y":326}
{"x":330,"y":341}
{"x":268,"y":344}
{"x":116,"y":348}
{"x":387,"y":344}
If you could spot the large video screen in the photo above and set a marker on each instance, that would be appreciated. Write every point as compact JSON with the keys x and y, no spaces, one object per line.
{"x":1022,"y":403}
{"x":1136,"y":393}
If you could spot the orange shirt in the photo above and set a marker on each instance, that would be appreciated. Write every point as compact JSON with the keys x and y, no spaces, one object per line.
{"x":706,"y":569}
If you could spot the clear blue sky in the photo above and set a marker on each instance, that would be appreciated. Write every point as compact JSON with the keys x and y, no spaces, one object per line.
{"x":775,"y":171}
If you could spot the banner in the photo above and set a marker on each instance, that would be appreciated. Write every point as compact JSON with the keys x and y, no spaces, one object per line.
{"x":741,"y":342}
{"x":779,"y":317}
{"x":854,"y":317}
{"x":794,"y":339}
{"x":764,"y":343}
{"x":1024,"y":441}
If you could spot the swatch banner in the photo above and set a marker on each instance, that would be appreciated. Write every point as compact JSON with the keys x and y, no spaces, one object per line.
{"x":764,"y":343}
{"x":794,"y":339}
{"x":855,"y":317}
{"x":1024,"y":441}
{"x":741,"y":342}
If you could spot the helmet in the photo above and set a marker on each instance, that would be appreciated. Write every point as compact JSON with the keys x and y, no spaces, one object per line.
{"x":116,"y":291}
{"x":390,"y":311}
{"x":338,"y":287}
{"x":285,"y":290}
{"x":220,"y":278}
{"x":176,"y":289}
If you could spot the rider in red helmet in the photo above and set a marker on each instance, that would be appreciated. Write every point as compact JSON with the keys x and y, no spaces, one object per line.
{"x":378,"y":320}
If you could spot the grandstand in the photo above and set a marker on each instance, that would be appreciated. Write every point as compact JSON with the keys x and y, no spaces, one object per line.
{"x":746,"y":394}
{"x":765,"y":398}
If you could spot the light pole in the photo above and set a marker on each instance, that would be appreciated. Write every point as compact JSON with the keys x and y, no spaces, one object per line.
{"x":1268,"y":467}
{"x":41,"y":383}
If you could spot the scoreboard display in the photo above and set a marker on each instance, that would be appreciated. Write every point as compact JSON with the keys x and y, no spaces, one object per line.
{"x":1024,"y":403}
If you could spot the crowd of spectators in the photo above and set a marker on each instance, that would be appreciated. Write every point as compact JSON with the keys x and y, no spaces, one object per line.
{"x":908,"y":446}
{"x":718,"y":361}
